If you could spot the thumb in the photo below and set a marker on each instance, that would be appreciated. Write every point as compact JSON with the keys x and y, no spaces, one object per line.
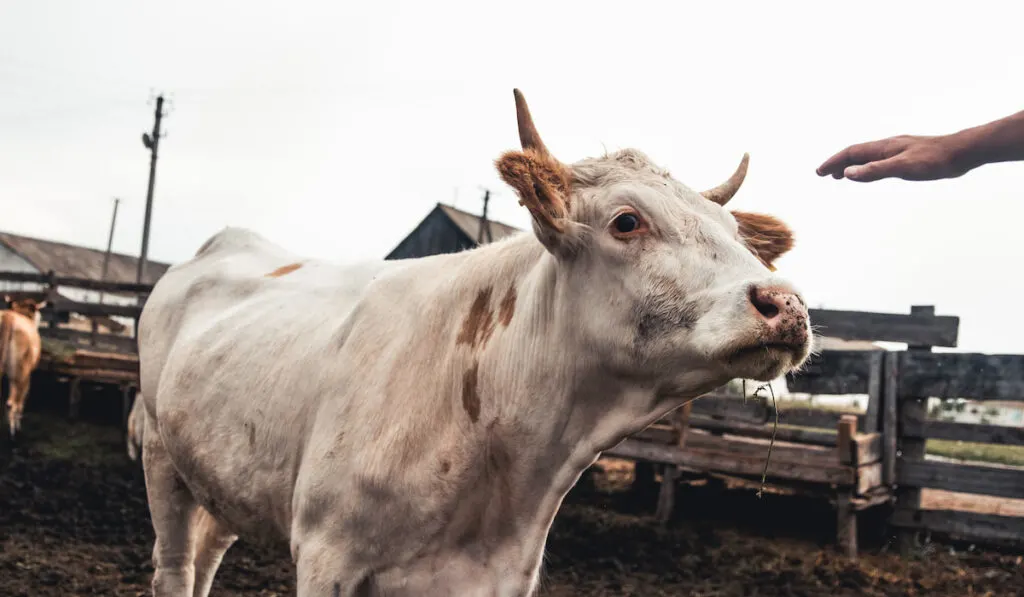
{"x":873,"y":171}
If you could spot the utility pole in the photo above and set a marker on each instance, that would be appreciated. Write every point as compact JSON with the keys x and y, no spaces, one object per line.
{"x":152,"y":143}
{"x":106,"y":262}
{"x":110,"y":244}
{"x":485,"y":226}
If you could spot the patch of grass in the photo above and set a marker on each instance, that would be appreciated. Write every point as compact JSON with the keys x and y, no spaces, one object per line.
{"x":1011,"y":455}
{"x":59,"y":350}
{"x":84,"y":442}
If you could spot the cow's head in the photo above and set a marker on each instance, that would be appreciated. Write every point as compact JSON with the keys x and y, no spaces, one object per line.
{"x":661,"y":278}
{"x":28,"y":307}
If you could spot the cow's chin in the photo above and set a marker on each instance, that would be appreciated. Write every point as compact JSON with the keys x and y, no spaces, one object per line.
{"x":765,"y":362}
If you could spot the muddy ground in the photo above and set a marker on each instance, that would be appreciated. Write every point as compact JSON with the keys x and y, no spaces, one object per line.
{"x":74,"y":521}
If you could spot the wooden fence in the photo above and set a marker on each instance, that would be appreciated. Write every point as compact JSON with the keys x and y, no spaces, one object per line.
{"x":60,"y":308}
{"x":865,"y":459}
{"x":78,"y":355}
{"x":913,"y":376}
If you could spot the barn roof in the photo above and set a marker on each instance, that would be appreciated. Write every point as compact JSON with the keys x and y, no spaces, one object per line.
{"x":446,"y":229}
{"x":78,"y":262}
{"x":470,"y":224}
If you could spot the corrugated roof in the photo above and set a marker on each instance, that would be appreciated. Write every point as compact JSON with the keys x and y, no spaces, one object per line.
{"x":470,"y":224}
{"x":79,"y":262}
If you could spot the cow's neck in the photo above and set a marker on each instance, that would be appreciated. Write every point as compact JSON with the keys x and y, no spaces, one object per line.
{"x":537,"y":404}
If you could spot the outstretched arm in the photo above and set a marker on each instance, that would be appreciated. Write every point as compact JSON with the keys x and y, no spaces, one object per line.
{"x":930,"y":158}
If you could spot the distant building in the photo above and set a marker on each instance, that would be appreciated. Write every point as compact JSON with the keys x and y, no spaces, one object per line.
{"x":34,"y":255}
{"x":449,"y":230}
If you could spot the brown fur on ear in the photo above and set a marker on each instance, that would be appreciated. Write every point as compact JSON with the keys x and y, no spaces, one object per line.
{"x":767,"y":237}
{"x":542,"y":182}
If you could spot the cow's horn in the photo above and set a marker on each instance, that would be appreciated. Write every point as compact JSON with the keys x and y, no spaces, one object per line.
{"x":528,"y":135}
{"x":724,"y":192}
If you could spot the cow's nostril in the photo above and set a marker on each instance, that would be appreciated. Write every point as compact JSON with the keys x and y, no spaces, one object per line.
{"x":764,"y":305}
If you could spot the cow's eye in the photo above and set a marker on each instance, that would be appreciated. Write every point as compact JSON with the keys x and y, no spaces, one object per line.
{"x":627,"y":223}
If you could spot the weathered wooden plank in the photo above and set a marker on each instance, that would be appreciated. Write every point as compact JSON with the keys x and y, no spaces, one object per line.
{"x":814,"y":437}
{"x":965,"y":526}
{"x":965,"y":432}
{"x":118,"y":343}
{"x":738,"y":409}
{"x":872,"y":419}
{"x":727,"y":463}
{"x":869,"y":478}
{"x":889,"y":417}
{"x":93,"y":309}
{"x":834,"y":372}
{"x":867,"y":448}
{"x":844,"y":439}
{"x":962,"y":375}
{"x":83,"y":283}
{"x":117,"y":362}
{"x":913,"y":329}
{"x":810,"y":417}
{"x":963,"y":478}
{"x":101,"y":375}
{"x":807,"y":455}
{"x":911,"y":450}
{"x":846,"y":523}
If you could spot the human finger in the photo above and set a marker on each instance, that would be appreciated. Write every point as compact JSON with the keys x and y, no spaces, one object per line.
{"x":860,"y":153}
{"x":895,"y":166}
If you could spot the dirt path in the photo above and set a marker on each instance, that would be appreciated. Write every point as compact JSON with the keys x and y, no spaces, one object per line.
{"x":73,"y":521}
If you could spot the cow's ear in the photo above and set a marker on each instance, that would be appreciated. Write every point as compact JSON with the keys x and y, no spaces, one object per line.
{"x":543,"y":185}
{"x":767,"y":237}
{"x":542,"y":182}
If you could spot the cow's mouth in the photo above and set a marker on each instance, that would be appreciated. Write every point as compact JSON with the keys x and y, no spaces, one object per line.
{"x":767,"y":349}
{"x":766,"y":361}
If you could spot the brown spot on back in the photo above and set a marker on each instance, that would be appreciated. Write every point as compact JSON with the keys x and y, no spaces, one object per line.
{"x":508,"y":307}
{"x":479,"y":323}
{"x":283,"y":270}
{"x":470,"y":397}
{"x":445,"y":467}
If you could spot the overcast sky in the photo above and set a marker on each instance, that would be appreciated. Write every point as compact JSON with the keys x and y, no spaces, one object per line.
{"x":334,"y":127}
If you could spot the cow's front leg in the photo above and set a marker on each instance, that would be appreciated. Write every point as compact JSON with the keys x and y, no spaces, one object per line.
{"x":174,"y":514}
{"x":214,"y":539}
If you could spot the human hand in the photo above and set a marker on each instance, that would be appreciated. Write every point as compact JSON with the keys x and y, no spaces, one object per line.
{"x":907,"y":157}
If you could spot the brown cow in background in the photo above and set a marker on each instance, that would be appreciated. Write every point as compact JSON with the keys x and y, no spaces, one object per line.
{"x":20,"y":347}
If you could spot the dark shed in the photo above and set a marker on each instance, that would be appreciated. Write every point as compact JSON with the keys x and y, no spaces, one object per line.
{"x":447,"y":230}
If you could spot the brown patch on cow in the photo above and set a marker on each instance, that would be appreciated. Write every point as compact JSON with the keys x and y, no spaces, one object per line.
{"x":508,"y":307}
{"x":283,"y":270}
{"x":479,"y":323}
{"x":470,"y":395}
{"x":445,"y":467}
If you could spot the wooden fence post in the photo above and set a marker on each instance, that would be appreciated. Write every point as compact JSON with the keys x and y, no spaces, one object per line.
{"x":908,"y":499}
{"x":670,"y":473}
{"x":846,"y":513}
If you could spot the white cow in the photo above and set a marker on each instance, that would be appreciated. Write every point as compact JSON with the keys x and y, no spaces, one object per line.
{"x":411,"y":427}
